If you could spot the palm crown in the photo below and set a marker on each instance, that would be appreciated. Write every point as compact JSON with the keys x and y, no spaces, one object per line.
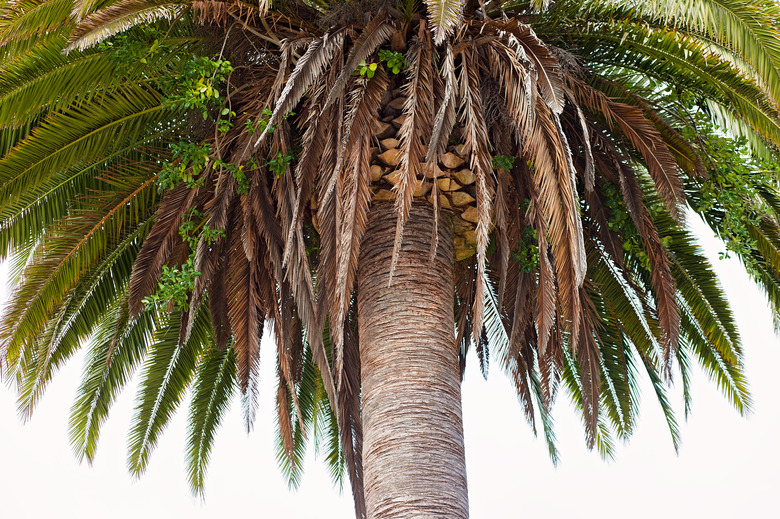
{"x":560,"y":145}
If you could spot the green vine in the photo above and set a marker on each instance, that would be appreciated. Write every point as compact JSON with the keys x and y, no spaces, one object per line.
{"x":188,"y":162}
{"x":177,"y":282}
{"x":278,"y":165}
{"x":527,"y":251}
{"x":198,"y":85}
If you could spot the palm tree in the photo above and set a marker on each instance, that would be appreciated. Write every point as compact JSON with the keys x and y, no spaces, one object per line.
{"x":378,"y":176}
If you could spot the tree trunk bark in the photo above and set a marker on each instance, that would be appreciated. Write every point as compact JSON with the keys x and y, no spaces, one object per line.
{"x":413,"y":456}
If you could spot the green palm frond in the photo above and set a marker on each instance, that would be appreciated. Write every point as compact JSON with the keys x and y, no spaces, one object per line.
{"x":115,"y":352}
{"x":572,"y":380}
{"x":82,"y":239}
{"x":746,"y":30}
{"x":663,"y":399}
{"x":27,"y":21}
{"x":80,"y":135}
{"x":677,"y":60}
{"x":87,"y":306}
{"x":168,"y":372}
{"x":212,"y":391}
{"x":10,"y":137}
{"x":49,"y":79}
{"x":23,"y":222}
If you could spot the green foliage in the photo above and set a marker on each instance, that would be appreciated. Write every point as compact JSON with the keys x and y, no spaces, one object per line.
{"x":128,"y":50}
{"x":224,"y":125}
{"x":396,"y":61}
{"x":188,"y":162}
{"x":620,"y":221}
{"x":198,"y":85}
{"x":503,"y":162}
{"x":527,"y":251}
{"x":175,"y":285}
{"x":730,"y":189}
{"x":279,"y":164}
{"x":367,"y":69}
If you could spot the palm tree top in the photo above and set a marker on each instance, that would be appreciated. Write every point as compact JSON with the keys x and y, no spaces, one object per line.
{"x":559,"y":141}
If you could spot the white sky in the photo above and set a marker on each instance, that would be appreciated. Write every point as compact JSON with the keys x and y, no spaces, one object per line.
{"x":727,"y":466}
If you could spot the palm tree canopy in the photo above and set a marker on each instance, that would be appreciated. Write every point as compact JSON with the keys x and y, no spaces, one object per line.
{"x":176,"y":176}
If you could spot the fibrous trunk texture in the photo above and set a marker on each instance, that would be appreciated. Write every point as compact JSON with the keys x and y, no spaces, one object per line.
{"x":413,"y":456}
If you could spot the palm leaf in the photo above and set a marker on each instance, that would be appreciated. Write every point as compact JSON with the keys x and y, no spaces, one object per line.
{"x":167,"y":374}
{"x":212,"y":390}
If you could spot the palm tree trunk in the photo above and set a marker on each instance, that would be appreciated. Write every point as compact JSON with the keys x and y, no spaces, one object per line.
{"x":413,"y":457}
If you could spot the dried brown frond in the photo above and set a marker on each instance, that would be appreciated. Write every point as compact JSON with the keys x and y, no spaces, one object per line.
{"x":284,"y":419}
{"x":119,"y":17}
{"x":446,"y":116}
{"x":307,"y":70}
{"x":418,"y":109}
{"x":588,"y":357}
{"x":246,"y":322}
{"x":298,"y":272}
{"x":158,"y":246}
{"x":556,"y":197}
{"x":684,"y":153}
{"x":465,"y":283}
{"x":643,"y":136}
{"x":376,"y":32}
{"x":545,"y":64}
{"x":354,"y":198}
{"x":477,"y":147}
{"x":223,"y":12}
{"x":350,"y":420}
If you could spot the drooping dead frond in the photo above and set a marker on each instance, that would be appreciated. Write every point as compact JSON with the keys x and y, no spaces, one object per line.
{"x":477,"y":146}
{"x":221,"y":12}
{"x":246,"y":322}
{"x":377,"y":32}
{"x":643,"y":136}
{"x":515,"y":78}
{"x":308,"y":69}
{"x":445,"y":119}
{"x":350,"y":420}
{"x":554,"y":183}
{"x":354,"y":198}
{"x":307,"y":167}
{"x":546,"y":293}
{"x":418,"y":109}
{"x":588,"y":359}
{"x":665,"y":288}
{"x":447,"y":113}
{"x":299,"y":272}
{"x":119,"y":17}
{"x":158,"y":246}
{"x":684,"y":153}
{"x":545,"y":64}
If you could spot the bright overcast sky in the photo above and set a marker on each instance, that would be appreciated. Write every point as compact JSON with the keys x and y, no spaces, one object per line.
{"x":728,"y":466}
